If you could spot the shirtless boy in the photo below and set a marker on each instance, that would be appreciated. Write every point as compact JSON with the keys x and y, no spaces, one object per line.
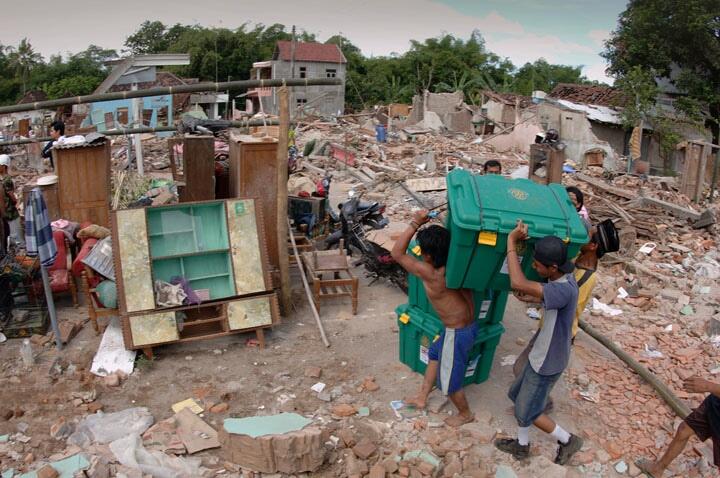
{"x":449,"y":355}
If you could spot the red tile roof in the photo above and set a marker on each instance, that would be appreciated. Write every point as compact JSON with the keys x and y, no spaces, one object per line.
{"x":322,"y":52}
{"x":599,"y":95}
{"x":33,"y":96}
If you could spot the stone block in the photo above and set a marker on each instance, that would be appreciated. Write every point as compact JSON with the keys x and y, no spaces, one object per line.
{"x":47,"y":471}
{"x":294,"y":452}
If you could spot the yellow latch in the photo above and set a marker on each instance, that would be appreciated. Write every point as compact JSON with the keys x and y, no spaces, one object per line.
{"x":487,"y":238}
{"x":437,"y":337}
{"x":416,"y":250}
{"x":404,"y":318}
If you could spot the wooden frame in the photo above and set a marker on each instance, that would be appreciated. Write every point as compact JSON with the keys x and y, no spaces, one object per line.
{"x":211,"y":317}
{"x":95,"y":308}
{"x":331,"y":288}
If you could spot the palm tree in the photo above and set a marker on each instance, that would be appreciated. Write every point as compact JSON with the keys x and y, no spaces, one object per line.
{"x":23,"y":60}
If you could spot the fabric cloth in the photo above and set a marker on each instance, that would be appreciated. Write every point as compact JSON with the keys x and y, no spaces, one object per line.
{"x":168,"y":295}
{"x":551,"y":351}
{"x":16,"y":232}
{"x":38,"y":232}
{"x":584,"y":213}
{"x":11,"y":210}
{"x":584,"y":293}
{"x":530,"y":393}
{"x":705,"y":422}
{"x":68,"y":228}
{"x":77,"y":265}
{"x":452,"y":351}
{"x":191,"y":297}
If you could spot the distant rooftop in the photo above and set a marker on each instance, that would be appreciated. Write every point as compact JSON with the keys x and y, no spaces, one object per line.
{"x":509,"y":98}
{"x":321,"y":52}
{"x":599,"y":95}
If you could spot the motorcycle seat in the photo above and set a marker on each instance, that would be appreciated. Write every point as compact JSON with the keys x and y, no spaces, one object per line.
{"x":367,"y":205}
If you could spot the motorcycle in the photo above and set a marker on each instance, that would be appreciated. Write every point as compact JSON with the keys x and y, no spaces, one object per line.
{"x":357,"y":218}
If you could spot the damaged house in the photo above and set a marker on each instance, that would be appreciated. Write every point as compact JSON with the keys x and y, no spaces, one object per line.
{"x":588,"y":119}
{"x":301,"y":60}
{"x":504,"y":109}
{"x":139,"y":72}
{"x":438,"y":111}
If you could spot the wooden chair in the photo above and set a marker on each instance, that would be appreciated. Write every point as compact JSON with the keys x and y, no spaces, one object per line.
{"x":95,"y":307}
{"x":318,"y":263}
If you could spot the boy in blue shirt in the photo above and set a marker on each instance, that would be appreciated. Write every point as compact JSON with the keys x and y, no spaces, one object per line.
{"x":551,"y":349}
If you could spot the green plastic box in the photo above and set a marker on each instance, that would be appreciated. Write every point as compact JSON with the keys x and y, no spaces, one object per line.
{"x":418,"y":330}
{"x":482,"y":210}
{"x":489,"y":304}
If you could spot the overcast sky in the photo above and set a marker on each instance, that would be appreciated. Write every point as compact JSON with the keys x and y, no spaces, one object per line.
{"x":568,"y":32}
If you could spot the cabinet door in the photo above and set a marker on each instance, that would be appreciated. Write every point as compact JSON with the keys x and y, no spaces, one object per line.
{"x":249,"y":313}
{"x":245,"y":245}
{"x":135,"y":275}
{"x":153,"y":329}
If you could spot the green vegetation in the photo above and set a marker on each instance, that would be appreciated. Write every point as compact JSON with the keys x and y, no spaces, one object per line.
{"x":445,"y":63}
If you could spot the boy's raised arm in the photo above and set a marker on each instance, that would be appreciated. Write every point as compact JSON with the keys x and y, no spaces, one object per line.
{"x":518,"y":281}
{"x":407,"y":262}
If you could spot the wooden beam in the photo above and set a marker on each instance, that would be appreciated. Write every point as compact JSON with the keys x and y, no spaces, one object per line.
{"x":623,"y":193}
{"x":282,"y":201}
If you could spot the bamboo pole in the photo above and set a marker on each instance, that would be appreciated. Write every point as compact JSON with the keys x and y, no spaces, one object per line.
{"x":308,"y":293}
{"x":282,"y":200}
{"x":169,"y":90}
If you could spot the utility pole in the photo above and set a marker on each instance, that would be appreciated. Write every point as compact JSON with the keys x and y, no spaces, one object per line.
{"x":292,"y":54}
{"x":282,"y":201}
{"x":138,"y":117}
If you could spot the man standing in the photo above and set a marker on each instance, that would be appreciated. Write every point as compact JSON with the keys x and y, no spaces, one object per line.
{"x":11,"y":215}
{"x":57,"y":131}
{"x":551,"y":348}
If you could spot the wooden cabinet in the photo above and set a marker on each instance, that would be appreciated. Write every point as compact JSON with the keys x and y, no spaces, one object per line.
{"x":217,"y":246}
{"x":546,"y":164}
{"x":84,"y":182}
{"x":199,"y":168}
{"x":253,"y":173}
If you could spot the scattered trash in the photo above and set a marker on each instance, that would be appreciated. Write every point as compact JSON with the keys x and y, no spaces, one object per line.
{"x":668,"y":328}
{"x":111,"y":355}
{"x":533,"y":313}
{"x":189,"y":403}
{"x":648,"y":247}
{"x":604,"y":308}
{"x":622,"y":293}
{"x":687,"y":310}
{"x":508,"y":360}
{"x":107,"y":427}
{"x":651,"y":352}
{"x":621,"y":467}
{"x":318,"y":387}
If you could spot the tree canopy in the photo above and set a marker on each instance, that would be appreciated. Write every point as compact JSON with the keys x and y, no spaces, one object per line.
{"x":444,"y":63}
{"x":678,"y":40}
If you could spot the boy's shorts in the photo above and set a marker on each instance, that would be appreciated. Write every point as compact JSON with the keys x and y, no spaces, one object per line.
{"x":529,"y":393}
{"x":699,"y":421}
{"x":452,"y":351}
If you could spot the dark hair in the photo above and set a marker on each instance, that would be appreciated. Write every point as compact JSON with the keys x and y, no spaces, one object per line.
{"x":578,"y":194}
{"x":58,"y":126}
{"x":491,"y":163}
{"x":435,"y":242}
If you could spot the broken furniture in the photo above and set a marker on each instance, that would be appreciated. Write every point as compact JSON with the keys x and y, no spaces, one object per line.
{"x":546,"y":164}
{"x":342,"y":284}
{"x":253,"y":173}
{"x":217,"y":246}
{"x":60,"y":275}
{"x":96,"y":308}
{"x":83,"y":172}
{"x":303,"y":245}
{"x":198,"y":168}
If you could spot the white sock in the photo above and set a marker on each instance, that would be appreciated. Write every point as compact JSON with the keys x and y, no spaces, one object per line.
{"x":524,"y":435}
{"x":560,"y":435}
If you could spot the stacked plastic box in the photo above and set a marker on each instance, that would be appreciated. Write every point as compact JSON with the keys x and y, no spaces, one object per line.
{"x":482,"y":210}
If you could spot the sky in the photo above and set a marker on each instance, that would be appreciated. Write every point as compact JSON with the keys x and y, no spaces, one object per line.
{"x":568,"y":32}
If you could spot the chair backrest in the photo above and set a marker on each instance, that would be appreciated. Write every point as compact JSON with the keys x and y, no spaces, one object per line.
{"x":61,"y":258}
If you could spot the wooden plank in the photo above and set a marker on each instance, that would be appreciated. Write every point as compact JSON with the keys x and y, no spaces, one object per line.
{"x":623,"y":193}
{"x":198,"y":168}
{"x":132,"y":255}
{"x":195,"y":434}
{"x":247,"y":249}
{"x":84,"y":183}
{"x":427,"y":184}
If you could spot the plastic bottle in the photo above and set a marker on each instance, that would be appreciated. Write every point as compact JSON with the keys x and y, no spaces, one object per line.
{"x":26,"y":353}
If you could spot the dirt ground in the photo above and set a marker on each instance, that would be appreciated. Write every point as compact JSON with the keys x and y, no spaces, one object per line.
{"x":254,"y":381}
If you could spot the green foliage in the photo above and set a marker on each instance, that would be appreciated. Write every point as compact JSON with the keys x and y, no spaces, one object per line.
{"x":445,"y":63}
{"x":544,"y":76}
{"x":640,"y":88}
{"x":677,"y":39}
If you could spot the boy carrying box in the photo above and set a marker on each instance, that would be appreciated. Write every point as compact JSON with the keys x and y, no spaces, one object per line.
{"x":450,"y":354}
